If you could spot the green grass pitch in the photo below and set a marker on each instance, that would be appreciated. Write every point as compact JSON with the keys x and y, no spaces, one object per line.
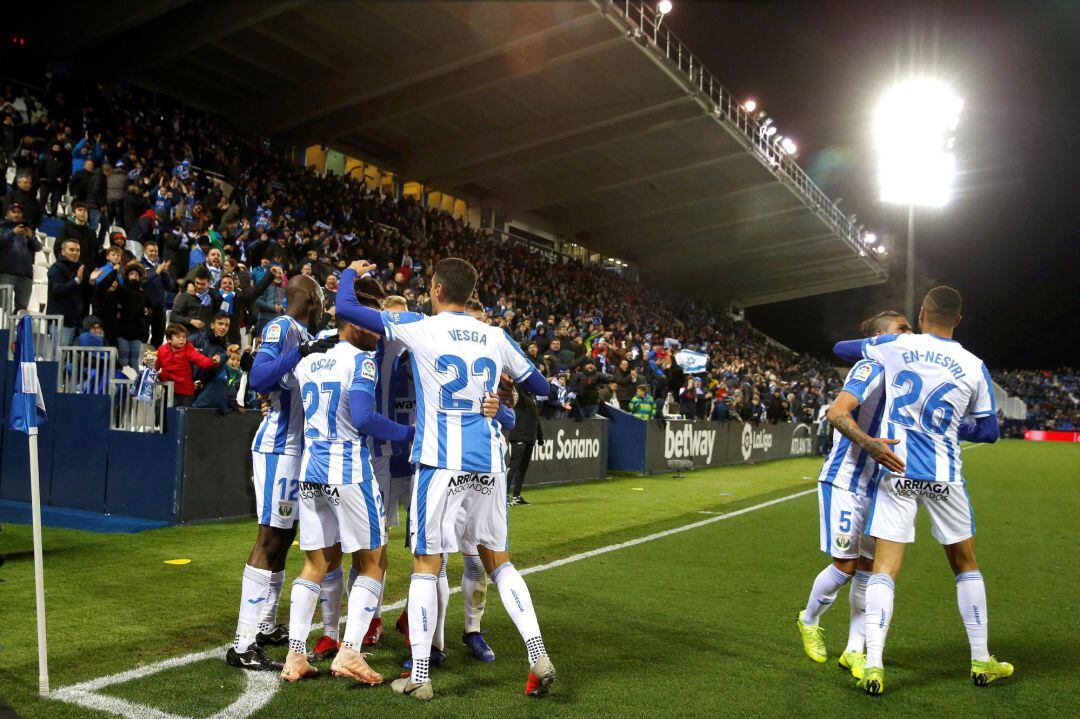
{"x":698,"y":623}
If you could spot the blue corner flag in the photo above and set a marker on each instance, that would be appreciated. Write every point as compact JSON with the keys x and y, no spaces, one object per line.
{"x":27,"y":404}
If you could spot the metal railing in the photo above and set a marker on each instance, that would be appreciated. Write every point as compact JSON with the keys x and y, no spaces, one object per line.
{"x":85,"y":370}
{"x":644,"y":25}
{"x":129,"y":413}
{"x":46,"y":334}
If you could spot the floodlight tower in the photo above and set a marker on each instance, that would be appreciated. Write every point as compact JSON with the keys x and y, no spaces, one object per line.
{"x":913,"y":133}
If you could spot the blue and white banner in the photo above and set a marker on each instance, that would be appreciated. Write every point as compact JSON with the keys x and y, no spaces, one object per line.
{"x":27,"y":404}
{"x":692,"y":362}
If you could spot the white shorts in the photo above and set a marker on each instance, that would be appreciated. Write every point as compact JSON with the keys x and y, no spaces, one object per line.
{"x":351,"y":514}
{"x":896,"y":500}
{"x":439,"y":496}
{"x":277,"y":484}
{"x":394,"y":490}
{"x":843,"y":523}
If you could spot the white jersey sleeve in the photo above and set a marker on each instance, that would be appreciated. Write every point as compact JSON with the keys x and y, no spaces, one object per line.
{"x":404,"y":327}
{"x":983,"y":403}
{"x":281,"y":431}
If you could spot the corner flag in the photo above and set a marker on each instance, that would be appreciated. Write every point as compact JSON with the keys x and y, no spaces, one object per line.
{"x":27,"y":414}
{"x":27,"y":404}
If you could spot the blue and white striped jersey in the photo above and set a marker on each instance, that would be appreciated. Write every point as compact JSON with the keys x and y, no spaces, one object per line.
{"x":334,"y":451}
{"x":281,"y":431}
{"x":456,"y":361}
{"x":931,"y":384}
{"x":848,"y":466}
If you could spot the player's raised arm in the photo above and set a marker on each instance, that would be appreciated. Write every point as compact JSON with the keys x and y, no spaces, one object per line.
{"x":348,"y":307}
{"x":271,"y":364}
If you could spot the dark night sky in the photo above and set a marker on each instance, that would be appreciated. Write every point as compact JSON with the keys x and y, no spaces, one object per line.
{"x":1008,"y":239}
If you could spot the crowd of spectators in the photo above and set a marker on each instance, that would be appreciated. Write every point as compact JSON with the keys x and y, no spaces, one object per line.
{"x":1052,"y":396}
{"x":211,"y":223}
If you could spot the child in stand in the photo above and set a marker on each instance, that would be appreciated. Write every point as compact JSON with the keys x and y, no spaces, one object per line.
{"x":174,"y":361}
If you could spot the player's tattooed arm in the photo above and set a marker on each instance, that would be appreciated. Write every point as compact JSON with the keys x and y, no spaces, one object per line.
{"x":878,"y":448}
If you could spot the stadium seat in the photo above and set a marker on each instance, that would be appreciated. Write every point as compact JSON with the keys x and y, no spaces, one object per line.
{"x":41,"y":274}
{"x":39,"y":296}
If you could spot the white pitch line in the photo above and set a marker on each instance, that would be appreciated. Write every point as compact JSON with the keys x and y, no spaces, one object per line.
{"x":261,"y":686}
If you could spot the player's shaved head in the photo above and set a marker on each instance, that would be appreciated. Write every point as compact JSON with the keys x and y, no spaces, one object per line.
{"x":458,"y":279}
{"x":881,"y":323}
{"x":942,"y":306}
{"x":304,"y":298}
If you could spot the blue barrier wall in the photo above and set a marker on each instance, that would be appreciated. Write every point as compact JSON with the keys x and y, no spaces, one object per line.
{"x":79,"y":452}
{"x":143,"y":474}
{"x":626,"y":442}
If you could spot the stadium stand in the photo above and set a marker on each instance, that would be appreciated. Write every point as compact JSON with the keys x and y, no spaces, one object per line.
{"x":1052,"y":396}
{"x":219,"y":203}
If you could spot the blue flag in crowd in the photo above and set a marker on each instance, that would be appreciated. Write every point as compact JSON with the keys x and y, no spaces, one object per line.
{"x":144,"y":385}
{"x":27,"y":404}
{"x":691,"y":362}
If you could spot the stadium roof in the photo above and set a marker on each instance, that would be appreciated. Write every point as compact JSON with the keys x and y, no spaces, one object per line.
{"x":584,"y":118}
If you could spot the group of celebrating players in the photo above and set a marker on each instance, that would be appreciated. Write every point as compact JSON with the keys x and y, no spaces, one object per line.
{"x":398,"y":405}
{"x":393,"y":405}
{"x":920,"y":395}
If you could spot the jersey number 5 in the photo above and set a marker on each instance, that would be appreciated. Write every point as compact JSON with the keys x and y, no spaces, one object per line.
{"x":452,"y":364}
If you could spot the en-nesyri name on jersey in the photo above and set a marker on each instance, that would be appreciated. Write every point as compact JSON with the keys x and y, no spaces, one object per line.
{"x":281,"y":431}
{"x":848,"y":465}
{"x":335,"y":452}
{"x":456,"y":362}
{"x":931,"y":384}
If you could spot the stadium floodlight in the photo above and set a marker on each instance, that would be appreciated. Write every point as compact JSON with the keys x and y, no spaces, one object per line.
{"x":750,"y":105}
{"x":770,"y":130}
{"x":914,"y":130}
{"x":663,"y":7}
{"x":789,"y":146}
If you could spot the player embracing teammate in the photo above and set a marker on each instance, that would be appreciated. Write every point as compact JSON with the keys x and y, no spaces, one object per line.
{"x":936,"y":394}
{"x":456,"y":363}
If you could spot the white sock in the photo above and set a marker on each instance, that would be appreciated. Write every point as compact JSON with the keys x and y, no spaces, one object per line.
{"x":362,"y":602}
{"x":353,"y":574}
{"x":268,"y":620}
{"x":423,"y":611}
{"x":330,"y":602}
{"x":305,"y":595}
{"x":971,"y":598}
{"x":518,"y":602}
{"x":826,"y":585}
{"x":880,"y":592}
{"x":474,"y":585}
{"x":443,"y":593}
{"x":856,"y":640}
{"x":254,"y":593}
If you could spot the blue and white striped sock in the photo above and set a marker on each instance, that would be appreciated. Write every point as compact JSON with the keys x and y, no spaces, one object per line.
{"x":333,"y":585}
{"x":880,"y":593}
{"x":826,"y":585}
{"x":474,"y":586}
{"x":423,"y":613}
{"x":304,"y":597}
{"x":971,"y":599}
{"x":363,"y":599}
{"x":856,"y":641}
{"x":254,"y":593}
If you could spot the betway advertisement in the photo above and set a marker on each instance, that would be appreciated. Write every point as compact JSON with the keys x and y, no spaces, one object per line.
{"x":712,"y":444}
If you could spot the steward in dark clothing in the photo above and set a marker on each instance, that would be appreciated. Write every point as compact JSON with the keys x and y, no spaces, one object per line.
{"x":523,"y":438}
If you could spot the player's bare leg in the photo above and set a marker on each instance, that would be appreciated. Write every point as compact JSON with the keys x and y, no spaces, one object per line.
{"x":305,"y":595}
{"x":518,"y":603}
{"x":350,"y":662}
